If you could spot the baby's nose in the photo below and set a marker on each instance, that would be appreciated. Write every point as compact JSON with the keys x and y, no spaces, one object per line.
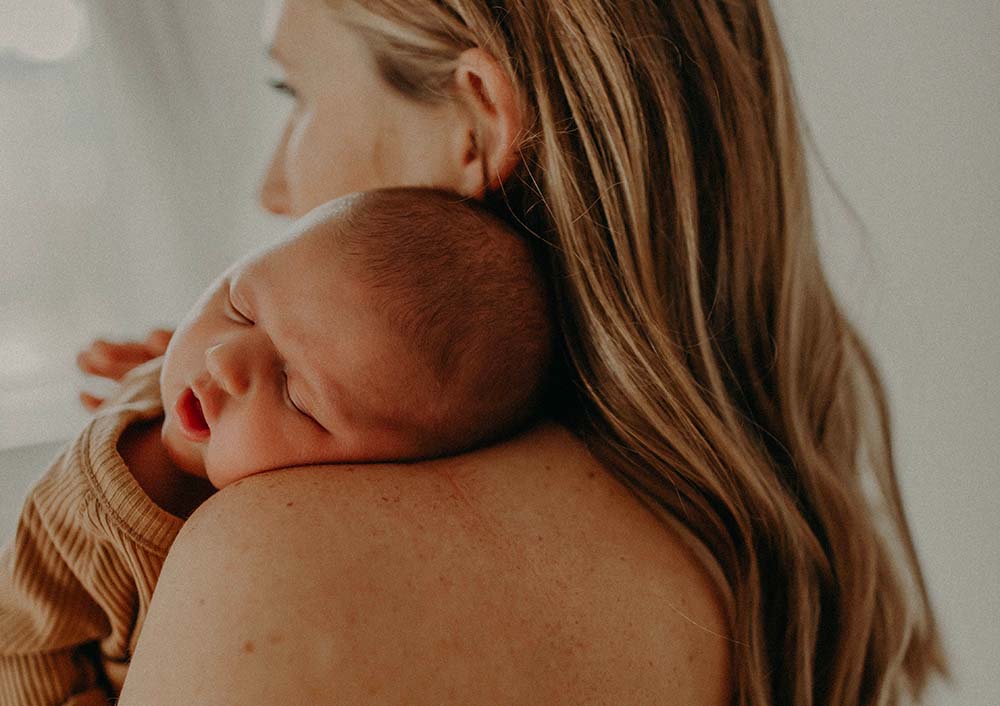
{"x":228,"y":365}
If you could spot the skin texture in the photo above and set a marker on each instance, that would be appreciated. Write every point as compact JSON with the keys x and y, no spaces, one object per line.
{"x":290,"y":366}
{"x":522,"y":573}
{"x":518,"y":574}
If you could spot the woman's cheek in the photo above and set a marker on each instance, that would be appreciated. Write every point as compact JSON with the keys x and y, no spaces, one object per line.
{"x":295,"y":178}
{"x":309,"y":160}
{"x":334,"y":154}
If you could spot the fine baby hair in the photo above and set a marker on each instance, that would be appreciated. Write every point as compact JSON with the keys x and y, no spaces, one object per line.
{"x":465,"y":294}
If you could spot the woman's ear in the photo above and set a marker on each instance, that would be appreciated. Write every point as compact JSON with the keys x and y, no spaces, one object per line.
{"x":491,"y":141}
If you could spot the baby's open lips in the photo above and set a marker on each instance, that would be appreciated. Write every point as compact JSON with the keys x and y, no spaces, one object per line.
{"x":191,"y":416}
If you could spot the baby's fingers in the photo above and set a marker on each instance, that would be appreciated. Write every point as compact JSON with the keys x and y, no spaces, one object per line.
{"x":157,"y":340}
{"x":90,"y":402}
{"x":112,"y":360}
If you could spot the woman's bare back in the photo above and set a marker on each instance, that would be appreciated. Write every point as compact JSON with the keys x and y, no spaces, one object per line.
{"x":524,"y":573}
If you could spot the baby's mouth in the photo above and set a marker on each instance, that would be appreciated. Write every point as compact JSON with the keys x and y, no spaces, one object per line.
{"x":192,"y":418}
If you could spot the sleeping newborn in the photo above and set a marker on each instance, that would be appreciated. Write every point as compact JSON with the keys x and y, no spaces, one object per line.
{"x":393,"y":325}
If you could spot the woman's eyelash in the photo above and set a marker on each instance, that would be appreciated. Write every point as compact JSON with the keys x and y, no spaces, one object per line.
{"x":281,"y":87}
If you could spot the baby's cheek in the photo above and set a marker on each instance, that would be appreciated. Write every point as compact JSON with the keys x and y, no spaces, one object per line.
{"x":244,"y":451}
{"x":228,"y":461}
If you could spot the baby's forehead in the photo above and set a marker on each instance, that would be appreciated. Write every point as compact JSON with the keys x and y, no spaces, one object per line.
{"x":318,"y":251}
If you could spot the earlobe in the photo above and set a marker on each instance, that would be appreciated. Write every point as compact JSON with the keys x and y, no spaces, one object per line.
{"x":491,"y":147}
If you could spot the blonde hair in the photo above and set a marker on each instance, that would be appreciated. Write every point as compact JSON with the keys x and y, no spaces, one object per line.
{"x":718,"y":377}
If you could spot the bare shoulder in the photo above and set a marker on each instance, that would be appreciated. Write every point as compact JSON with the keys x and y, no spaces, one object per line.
{"x":523,"y":573}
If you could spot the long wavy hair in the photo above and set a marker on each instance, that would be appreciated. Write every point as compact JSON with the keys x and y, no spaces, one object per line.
{"x":715,"y":373}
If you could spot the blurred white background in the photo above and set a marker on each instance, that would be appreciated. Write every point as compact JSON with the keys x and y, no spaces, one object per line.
{"x":131,"y":139}
{"x":132,"y":136}
{"x":903,"y":99}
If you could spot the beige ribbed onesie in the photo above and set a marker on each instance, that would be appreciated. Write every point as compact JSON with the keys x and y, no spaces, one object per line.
{"x":76,"y":582}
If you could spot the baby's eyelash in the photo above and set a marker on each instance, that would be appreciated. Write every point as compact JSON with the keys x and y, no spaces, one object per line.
{"x":281,"y":87}
{"x":288,"y":394}
{"x":237,"y":312}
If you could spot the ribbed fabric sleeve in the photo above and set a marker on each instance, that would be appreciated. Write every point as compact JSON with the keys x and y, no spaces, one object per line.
{"x":76,"y":582}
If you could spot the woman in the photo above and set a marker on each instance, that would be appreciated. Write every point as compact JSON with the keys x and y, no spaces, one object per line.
{"x":653,"y":150}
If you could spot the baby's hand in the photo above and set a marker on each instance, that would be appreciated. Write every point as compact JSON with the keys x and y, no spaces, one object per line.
{"x":111,"y":360}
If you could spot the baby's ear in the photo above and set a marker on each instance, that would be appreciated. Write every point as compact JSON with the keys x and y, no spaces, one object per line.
{"x":492,"y":134}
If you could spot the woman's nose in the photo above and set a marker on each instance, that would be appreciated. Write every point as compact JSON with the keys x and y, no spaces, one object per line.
{"x":274,"y":190}
{"x":228,"y":365}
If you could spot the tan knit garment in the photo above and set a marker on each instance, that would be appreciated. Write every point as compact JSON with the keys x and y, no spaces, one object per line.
{"x":76,"y":582}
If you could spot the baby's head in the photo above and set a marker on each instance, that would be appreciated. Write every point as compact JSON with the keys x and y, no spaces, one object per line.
{"x":392,"y":325}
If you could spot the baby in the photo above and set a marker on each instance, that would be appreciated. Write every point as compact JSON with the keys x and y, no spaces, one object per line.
{"x":391,"y":326}
{"x":397,"y":325}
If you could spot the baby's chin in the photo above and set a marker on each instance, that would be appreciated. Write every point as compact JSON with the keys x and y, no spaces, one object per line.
{"x":197,"y":459}
{"x":219,"y":475}
{"x":183,"y":454}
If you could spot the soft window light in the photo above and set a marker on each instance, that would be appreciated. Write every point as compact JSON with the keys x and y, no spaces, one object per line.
{"x":43,"y":30}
